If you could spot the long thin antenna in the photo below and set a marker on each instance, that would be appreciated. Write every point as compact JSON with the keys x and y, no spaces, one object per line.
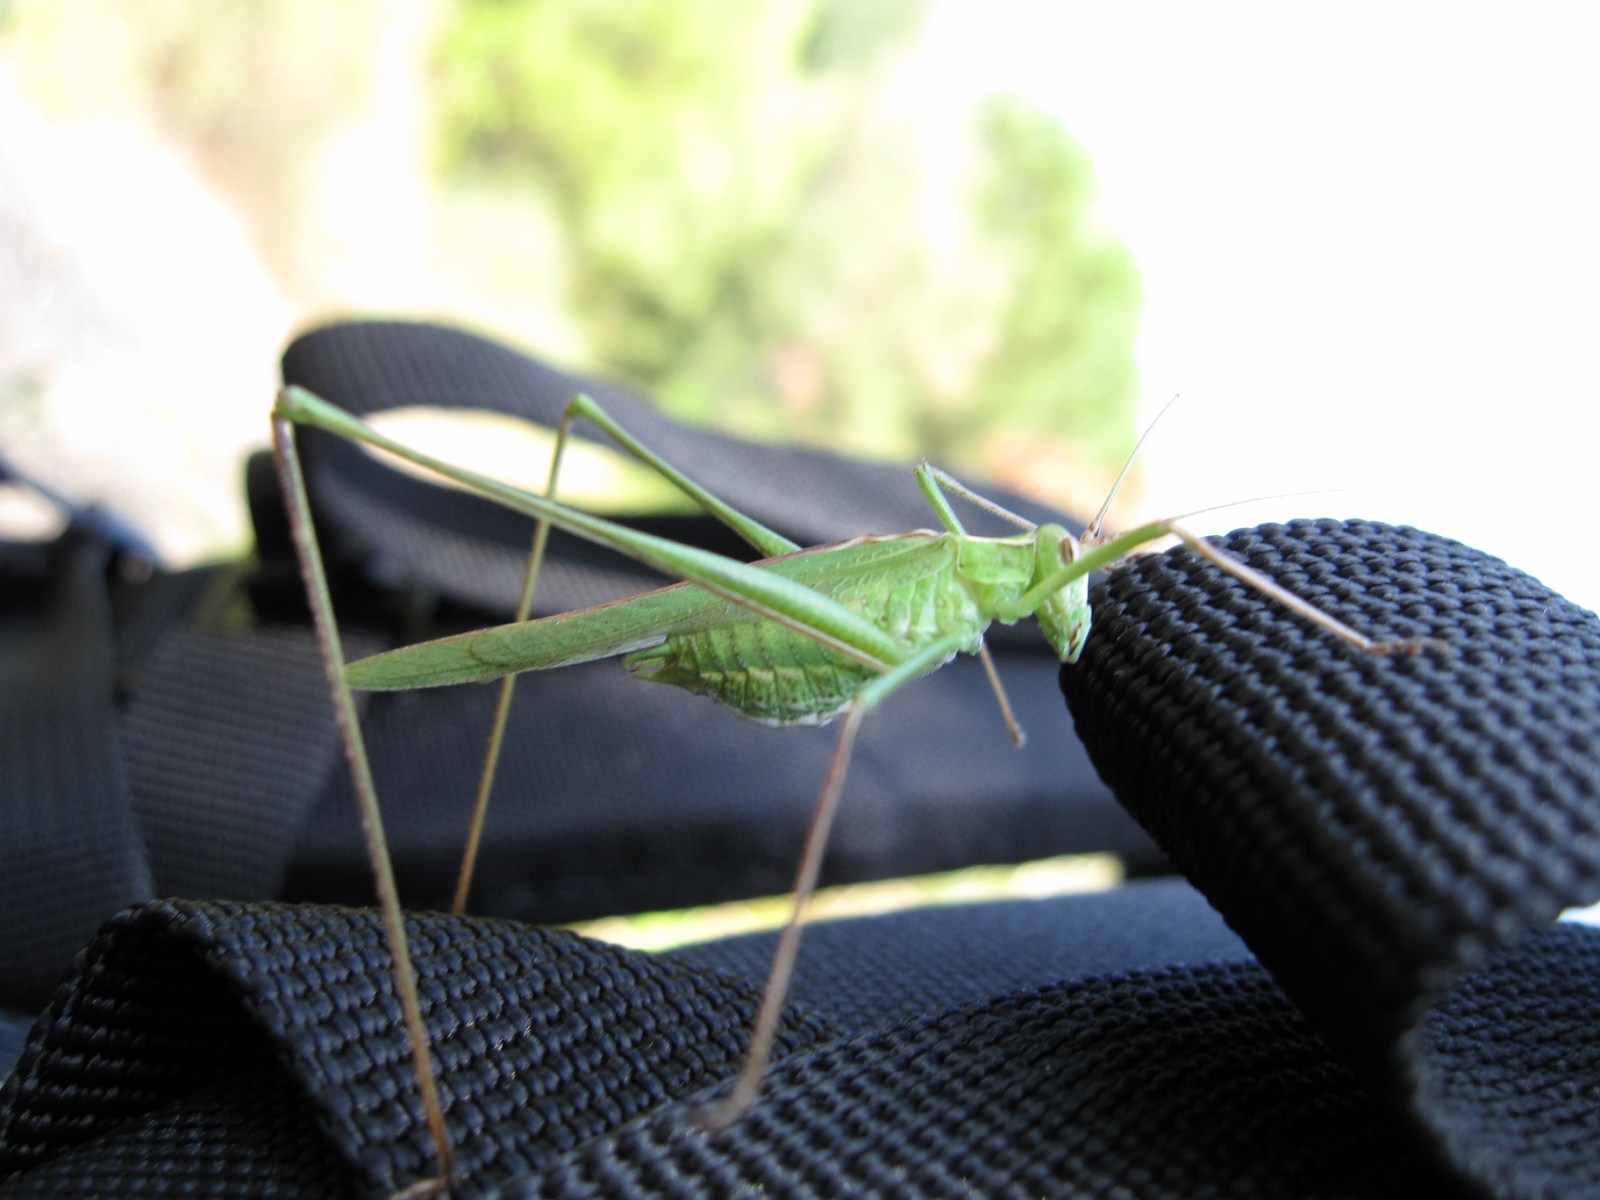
{"x":1093,"y":531}
{"x":1261,"y":499}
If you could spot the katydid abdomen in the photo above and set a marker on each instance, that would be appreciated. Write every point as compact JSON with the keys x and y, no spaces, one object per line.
{"x":769,"y":673}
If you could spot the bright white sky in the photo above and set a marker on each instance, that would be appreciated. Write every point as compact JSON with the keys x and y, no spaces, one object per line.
{"x":1367,"y":235}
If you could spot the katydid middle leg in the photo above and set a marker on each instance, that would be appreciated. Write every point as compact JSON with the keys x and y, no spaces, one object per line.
{"x":934,"y":483}
{"x":781,"y":972}
{"x":766,"y":541}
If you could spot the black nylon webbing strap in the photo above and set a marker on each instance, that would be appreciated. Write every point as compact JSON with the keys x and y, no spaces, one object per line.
{"x":70,"y":853}
{"x":189,"y":1014}
{"x":574,"y":1070}
{"x":1392,"y":837}
{"x":229,"y":740}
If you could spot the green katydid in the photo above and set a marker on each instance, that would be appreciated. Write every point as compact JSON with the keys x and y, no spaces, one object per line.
{"x":803,"y":635}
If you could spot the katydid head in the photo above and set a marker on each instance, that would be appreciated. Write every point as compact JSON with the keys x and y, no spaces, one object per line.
{"x":1063,"y":614}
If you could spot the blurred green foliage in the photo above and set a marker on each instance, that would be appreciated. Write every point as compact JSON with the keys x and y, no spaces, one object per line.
{"x":767,"y":213}
{"x":765,"y":230}
{"x":250,"y":95}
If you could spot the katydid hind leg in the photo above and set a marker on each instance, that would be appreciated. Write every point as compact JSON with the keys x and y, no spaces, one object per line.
{"x":810,"y":613}
{"x":807,"y":611}
{"x":292,"y":481}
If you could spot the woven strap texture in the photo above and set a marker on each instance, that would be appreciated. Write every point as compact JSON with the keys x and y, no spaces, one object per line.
{"x":1392,"y":838}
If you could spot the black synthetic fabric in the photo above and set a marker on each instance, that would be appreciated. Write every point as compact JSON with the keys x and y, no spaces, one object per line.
{"x":1392,"y":838}
{"x":874,"y":972}
{"x":70,"y":851}
{"x":236,"y":1006}
{"x":222,"y":817}
{"x":14,"y":1027}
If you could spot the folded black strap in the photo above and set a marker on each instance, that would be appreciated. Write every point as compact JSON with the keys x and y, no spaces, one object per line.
{"x":1391,"y":837}
{"x":186,"y":1014}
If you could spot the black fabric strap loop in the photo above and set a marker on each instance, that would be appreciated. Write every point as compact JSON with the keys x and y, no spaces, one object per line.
{"x":1391,"y":836}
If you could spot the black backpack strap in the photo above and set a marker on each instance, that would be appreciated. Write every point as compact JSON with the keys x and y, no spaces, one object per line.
{"x":229,"y":741}
{"x":575,"y":1069}
{"x":70,"y":851}
{"x":1375,"y":829}
{"x":153,"y":740}
{"x":1392,"y":837}
{"x":270,"y":1030}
